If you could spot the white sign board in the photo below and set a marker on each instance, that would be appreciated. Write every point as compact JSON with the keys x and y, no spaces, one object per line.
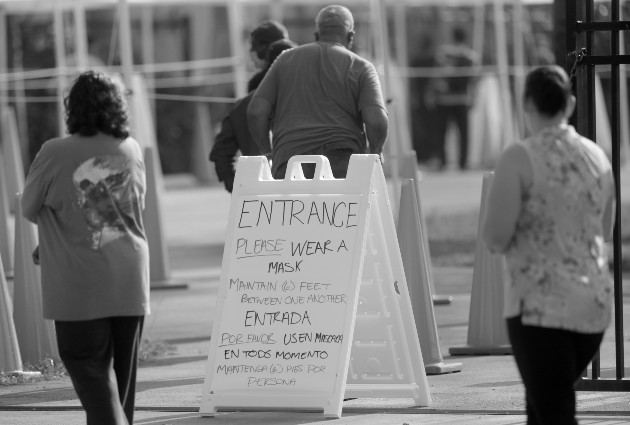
{"x":290,"y":283}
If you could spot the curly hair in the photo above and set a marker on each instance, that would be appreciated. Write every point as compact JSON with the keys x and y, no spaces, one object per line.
{"x":96,"y":104}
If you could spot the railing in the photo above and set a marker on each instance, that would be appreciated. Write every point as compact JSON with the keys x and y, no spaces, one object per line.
{"x":580,"y":43}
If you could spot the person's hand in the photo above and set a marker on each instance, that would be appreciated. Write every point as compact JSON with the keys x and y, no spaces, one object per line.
{"x":35,"y":255}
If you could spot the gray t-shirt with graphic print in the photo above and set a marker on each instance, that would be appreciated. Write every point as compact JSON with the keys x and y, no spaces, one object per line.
{"x":87,"y":195}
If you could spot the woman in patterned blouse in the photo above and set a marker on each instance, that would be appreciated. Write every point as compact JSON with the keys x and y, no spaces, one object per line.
{"x":550,"y":210}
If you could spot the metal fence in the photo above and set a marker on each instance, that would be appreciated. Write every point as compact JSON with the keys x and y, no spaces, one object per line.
{"x":582,"y":60}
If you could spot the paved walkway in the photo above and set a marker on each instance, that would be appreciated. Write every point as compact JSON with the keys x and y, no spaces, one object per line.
{"x":487,"y":390}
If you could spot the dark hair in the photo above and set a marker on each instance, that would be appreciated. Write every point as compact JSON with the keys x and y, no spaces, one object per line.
{"x":96,"y":104}
{"x":273,"y":51}
{"x":549,"y":88}
{"x":459,"y":35}
{"x":265,"y":34}
{"x":278,"y":47}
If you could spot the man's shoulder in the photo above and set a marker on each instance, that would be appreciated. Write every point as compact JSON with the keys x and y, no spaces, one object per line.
{"x":299,"y":50}
{"x":358,"y":62}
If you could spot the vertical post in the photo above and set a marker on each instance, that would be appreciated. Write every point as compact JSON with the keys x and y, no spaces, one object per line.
{"x":616,"y":159}
{"x":148,"y":50}
{"x":277,"y":10}
{"x":235,"y":12}
{"x":590,"y":72}
{"x":126,"y":51}
{"x":563,"y":40}
{"x":80,"y":36}
{"x":402,"y":56}
{"x":60,"y":62}
{"x":379,"y":17}
{"x":479,"y":30}
{"x":584,"y":84}
{"x":17,"y":49}
{"x":502,"y":68}
{"x":203,"y":131}
{"x":519,"y":61}
{"x":565,"y":16}
{"x":4,"y":66}
{"x":381,"y":34}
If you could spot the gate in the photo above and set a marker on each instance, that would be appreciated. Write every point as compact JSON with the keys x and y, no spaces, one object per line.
{"x":582,"y":59}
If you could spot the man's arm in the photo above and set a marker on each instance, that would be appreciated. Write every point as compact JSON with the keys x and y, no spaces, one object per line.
{"x":376,"y":124}
{"x":258,"y":118}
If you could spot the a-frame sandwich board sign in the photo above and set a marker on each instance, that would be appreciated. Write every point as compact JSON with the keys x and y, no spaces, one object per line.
{"x":295,"y":321}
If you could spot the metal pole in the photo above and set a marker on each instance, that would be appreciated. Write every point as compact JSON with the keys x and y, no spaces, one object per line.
{"x":519,"y":62}
{"x":381,"y":33}
{"x":4,"y":66}
{"x":235,"y":12}
{"x":402,"y":57}
{"x":277,"y":12}
{"x":616,"y":158}
{"x":479,"y":29}
{"x":60,"y":62}
{"x":503,"y":69}
{"x":562,"y":42}
{"x":148,"y":51}
{"x":80,"y":36}
{"x":126,"y":51}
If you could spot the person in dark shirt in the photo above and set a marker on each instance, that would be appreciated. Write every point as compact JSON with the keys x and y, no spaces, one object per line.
{"x":423,"y":103}
{"x":234,"y":135}
{"x":454,"y":95}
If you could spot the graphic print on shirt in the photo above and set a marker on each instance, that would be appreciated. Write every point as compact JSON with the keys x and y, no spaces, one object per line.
{"x":102,"y":185}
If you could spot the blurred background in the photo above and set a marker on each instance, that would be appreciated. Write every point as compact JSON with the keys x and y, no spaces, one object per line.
{"x":187,"y":60}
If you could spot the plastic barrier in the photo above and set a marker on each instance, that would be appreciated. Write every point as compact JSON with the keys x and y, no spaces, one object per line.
{"x":6,"y":227}
{"x":487,"y":331}
{"x":202,"y":142}
{"x":36,"y":335}
{"x":12,"y":154}
{"x":409,"y":170}
{"x":415,"y":261}
{"x":158,"y":255}
{"x":10,"y":359}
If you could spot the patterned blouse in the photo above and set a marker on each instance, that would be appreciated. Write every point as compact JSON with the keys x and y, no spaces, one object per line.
{"x":557,"y":258}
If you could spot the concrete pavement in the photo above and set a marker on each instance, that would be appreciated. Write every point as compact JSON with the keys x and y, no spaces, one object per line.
{"x":487,"y":391}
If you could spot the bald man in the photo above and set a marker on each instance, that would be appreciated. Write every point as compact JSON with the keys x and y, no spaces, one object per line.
{"x":323,"y":98}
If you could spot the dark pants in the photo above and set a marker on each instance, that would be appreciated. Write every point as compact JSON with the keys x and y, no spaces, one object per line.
{"x":338,"y":156}
{"x":101,"y":357}
{"x":444,"y":115}
{"x":424,"y":133}
{"x":550,"y":361}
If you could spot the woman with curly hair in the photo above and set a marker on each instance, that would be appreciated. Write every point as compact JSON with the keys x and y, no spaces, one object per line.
{"x":86,"y":193}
